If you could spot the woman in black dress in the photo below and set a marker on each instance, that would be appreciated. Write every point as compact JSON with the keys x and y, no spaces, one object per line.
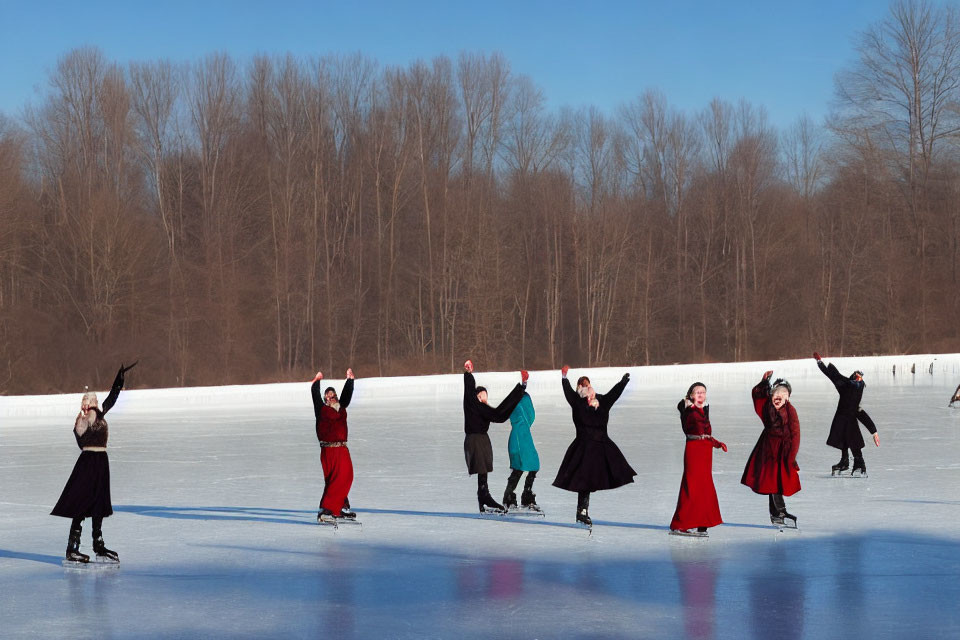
{"x":592,"y":462}
{"x":87,"y":492}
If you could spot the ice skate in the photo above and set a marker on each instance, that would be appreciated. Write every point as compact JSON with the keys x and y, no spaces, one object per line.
{"x":584,"y":519}
{"x":488,"y":504}
{"x":104,"y":554}
{"x":347,"y":514}
{"x":528,"y":500}
{"x":326,"y":517}
{"x":843,"y":465}
{"x":859,"y":468}
{"x":690,"y":533}
{"x":73,"y":555}
{"x":509,"y":499}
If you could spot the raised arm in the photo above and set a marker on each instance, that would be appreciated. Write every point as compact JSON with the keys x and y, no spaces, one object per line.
{"x":607,"y":399}
{"x":317,"y":395}
{"x":831,"y":372}
{"x":761,"y":393}
{"x":568,"y":392}
{"x":502,"y":412}
{"x":347,"y":394}
{"x":115,"y":389}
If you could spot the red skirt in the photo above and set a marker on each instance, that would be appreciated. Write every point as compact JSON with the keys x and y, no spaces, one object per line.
{"x":338,"y":477}
{"x":697,"y":504}
{"x":769,"y":470}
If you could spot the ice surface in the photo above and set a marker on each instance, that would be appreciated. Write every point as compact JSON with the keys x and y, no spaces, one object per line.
{"x":215,"y":492}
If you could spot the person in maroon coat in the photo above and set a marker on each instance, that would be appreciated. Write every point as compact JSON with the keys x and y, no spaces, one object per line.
{"x":697,"y":504}
{"x":772,"y":467}
{"x":331,"y":415}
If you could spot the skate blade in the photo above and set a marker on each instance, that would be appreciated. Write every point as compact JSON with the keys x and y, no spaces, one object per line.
{"x":92,"y":566}
{"x":524,"y":512}
{"x":689,"y":534}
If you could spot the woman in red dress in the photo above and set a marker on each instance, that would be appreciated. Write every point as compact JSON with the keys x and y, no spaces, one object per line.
{"x":772,"y":467}
{"x":697,"y":504}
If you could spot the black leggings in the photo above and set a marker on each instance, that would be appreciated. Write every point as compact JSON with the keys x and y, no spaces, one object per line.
{"x":97,"y":524}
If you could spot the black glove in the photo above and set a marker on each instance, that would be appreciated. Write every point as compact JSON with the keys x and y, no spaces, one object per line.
{"x":626,"y":377}
{"x":118,"y":381}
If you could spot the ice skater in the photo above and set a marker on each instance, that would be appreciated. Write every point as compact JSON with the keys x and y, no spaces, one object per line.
{"x":772,"y":467}
{"x":87,"y":492}
{"x":523,"y":456}
{"x":477,"y":416}
{"x":331,"y":415}
{"x":844,"y":430}
{"x":697,"y":505}
{"x":592,"y":461}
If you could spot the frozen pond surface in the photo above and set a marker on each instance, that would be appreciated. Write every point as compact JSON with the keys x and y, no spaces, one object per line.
{"x":215,"y":492}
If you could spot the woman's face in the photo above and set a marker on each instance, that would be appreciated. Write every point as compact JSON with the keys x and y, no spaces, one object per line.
{"x":780,"y":397}
{"x":699,"y":396}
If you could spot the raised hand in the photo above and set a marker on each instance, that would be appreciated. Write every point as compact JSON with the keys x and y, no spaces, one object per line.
{"x":319,"y":376}
{"x":468,"y":366}
{"x":767,"y":374}
{"x":564,"y":369}
{"x":816,"y":356}
{"x":626,"y":377}
{"x":524,"y":376}
{"x":350,"y":374}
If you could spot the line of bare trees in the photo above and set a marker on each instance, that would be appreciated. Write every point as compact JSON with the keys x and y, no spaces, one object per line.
{"x":235,"y":223}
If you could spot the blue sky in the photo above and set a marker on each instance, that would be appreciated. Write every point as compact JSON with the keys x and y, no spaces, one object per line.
{"x":781,"y":55}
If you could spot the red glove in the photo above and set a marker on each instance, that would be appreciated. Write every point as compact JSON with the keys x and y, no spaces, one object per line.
{"x":468,"y":366}
{"x":524,"y":375}
{"x":319,"y":376}
{"x":767,"y":374}
{"x":719,"y":445}
{"x":564,"y":370}
{"x":816,"y":356}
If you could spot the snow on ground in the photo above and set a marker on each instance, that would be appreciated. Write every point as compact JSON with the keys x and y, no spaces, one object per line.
{"x":215,"y":492}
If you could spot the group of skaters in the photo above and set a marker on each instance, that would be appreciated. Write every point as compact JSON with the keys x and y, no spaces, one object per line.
{"x":592,"y":462}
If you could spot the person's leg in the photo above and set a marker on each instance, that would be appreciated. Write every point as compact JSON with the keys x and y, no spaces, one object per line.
{"x":844,"y":463}
{"x":583,"y":507}
{"x":529,"y":498}
{"x":509,"y":495}
{"x":73,"y":542}
{"x":98,"y":545}
{"x":858,"y":462}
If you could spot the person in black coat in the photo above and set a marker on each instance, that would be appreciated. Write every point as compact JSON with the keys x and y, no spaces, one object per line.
{"x":477,"y":416}
{"x":844,"y":430}
{"x":593,"y":462}
{"x":87,"y":492}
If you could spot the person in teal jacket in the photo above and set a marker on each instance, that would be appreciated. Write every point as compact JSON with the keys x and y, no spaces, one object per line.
{"x":523,"y":456}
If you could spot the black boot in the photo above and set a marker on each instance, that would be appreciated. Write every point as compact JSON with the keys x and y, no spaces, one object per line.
{"x":103,"y":554}
{"x":509,"y":497}
{"x":777,"y":504}
{"x":583,"y":504}
{"x":859,"y":465}
{"x":486,"y":501}
{"x":346,"y":512}
{"x":529,"y":498}
{"x":843,"y":465}
{"x":73,"y":546}
{"x":325,"y":516}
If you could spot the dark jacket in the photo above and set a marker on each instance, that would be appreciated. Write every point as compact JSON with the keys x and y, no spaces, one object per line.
{"x":477,"y":416}
{"x":96,"y":434}
{"x":592,"y":423}
{"x":331,"y":423}
{"x":844,"y":431}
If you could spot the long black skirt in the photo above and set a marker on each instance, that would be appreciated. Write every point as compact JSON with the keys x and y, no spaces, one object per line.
{"x":478,"y":452}
{"x":87,"y":493}
{"x":593,"y":465}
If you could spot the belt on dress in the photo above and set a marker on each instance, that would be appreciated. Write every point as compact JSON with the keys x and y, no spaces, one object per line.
{"x":94,"y":448}
{"x":703,"y":437}
{"x":333,"y":444}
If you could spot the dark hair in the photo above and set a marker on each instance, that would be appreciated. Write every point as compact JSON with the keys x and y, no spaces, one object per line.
{"x":780,"y":382}
{"x":853,"y":376}
{"x":329,"y":389}
{"x":580,"y":381}
{"x":694,"y":386}
{"x":479,"y":389}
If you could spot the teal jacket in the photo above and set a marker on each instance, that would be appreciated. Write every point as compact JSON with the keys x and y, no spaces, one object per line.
{"x":523,"y":453}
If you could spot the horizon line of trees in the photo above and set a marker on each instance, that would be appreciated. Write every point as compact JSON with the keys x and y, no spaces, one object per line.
{"x":230,"y":223}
